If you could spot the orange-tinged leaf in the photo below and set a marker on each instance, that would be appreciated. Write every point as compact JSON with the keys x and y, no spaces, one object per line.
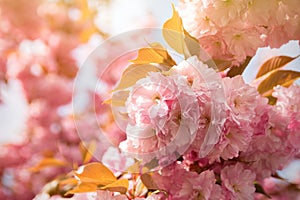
{"x":120,"y":185}
{"x":272,"y":100}
{"x":87,"y":151}
{"x":178,"y":38}
{"x":134,"y":73}
{"x":68,"y":181}
{"x":156,"y":45}
{"x":273,"y":64}
{"x":280,"y":77}
{"x":48,"y":162}
{"x":95,"y":173}
{"x":154,"y":54}
{"x":83,"y":187}
{"x":173,"y":32}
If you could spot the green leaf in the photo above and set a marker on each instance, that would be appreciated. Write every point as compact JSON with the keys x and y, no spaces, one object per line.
{"x":280,"y":77}
{"x":134,"y":73}
{"x":273,"y":64}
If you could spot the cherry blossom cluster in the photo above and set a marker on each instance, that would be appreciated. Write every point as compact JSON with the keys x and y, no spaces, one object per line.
{"x":232,"y":141}
{"x":232,"y":30}
{"x":234,"y":137}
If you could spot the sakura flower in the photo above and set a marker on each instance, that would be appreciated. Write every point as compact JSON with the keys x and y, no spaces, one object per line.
{"x":215,"y":46}
{"x":232,"y":142}
{"x":116,"y":160}
{"x":232,"y":30}
{"x":243,"y":114}
{"x":280,"y":189}
{"x":261,"y":12}
{"x":204,"y":25}
{"x":163,"y":112}
{"x":269,"y":149}
{"x":103,"y":195}
{"x":207,"y":84}
{"x":198,"y":75}
{"x":238,"y":182}
{"x":287,"y":106}
{"x":242,"y":99}
{"x":182,"y":184}
{"x":242,"y":43}
{"x":223,"y":12}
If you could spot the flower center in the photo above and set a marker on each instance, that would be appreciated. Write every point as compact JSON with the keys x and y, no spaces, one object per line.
{"x":156,"y":98}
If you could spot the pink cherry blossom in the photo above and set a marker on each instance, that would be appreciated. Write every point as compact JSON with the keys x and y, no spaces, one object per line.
{"x":182,"y":184}
{"x":288,"y":107}
{"x":207,"y":84}
{"x":115,"y":160}
{"x":233,"y":30}
{"x":161,"y":109}
{"x":238,"y":182}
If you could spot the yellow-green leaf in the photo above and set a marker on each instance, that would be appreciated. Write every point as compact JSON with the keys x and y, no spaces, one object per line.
{"x":154,"y":54}
{"x":48,"y":162}
{"x":120,"y":185}
{"x":95,"y":173}
{"x":273,"y":64}
{"x":280,"y":77}
{"x":178,"y":38}
{"x":134,"y":73}
{"x":83,"y":187}
{"x":87,"y":150}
